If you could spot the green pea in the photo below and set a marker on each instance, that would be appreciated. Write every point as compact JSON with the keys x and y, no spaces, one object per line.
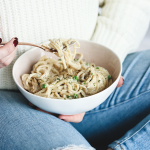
{"x":75,"y":95}
{"x":44,"y":86}
{"x":109,"y":76}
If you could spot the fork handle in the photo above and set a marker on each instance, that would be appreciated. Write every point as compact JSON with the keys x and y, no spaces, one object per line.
{"x":23,"y":43}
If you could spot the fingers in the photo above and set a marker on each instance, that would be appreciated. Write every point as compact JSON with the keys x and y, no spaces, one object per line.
{"x":7,"y":60}
{"x":8,"y":48}
{"x":7,"y":52}
{"x":0,"y":42}
{"x":121,"y":82}
{"x":72,"y":118}
{"x":68,"y":118}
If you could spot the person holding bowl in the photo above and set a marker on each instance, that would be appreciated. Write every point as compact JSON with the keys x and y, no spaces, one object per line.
{"x":123,"y":116}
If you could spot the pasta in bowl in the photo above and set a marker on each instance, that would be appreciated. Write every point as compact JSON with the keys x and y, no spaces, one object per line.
{"x":67,"y":82}
{"x":68,"y":77}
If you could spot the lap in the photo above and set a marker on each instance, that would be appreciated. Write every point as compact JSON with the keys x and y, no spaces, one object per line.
{"x":138,"y":138}
{"x":136,"y":71}
{"x":125,"y":107}
{"x":22,"y":127}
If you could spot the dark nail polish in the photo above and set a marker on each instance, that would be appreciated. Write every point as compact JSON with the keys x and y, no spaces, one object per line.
{"x":15,"y":42}
{"x":16,"y":38}
{"x":0,"y":40}
{"x":63,"y":119}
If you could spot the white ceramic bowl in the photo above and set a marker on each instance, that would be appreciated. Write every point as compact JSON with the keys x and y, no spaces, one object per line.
{"x":92,"y":52}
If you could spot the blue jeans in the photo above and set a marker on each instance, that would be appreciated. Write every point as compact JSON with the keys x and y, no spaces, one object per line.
{"x":122,"y":122}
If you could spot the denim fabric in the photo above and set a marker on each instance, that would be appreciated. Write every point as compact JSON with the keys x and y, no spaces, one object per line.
{"x":136,"y":139}
{"x":124,"y":108}
{"x":123,"y":119}
{"x":23,"y":128}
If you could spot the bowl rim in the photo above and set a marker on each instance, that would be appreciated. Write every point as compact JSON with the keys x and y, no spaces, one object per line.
{"x":13,"y":74}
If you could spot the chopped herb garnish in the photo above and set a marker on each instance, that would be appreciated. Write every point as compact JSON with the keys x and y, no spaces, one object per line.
{"x":99,"y":80}
{"x":94,"y":84}
{"x":59,"y":59}
{"x":87,"y":64}
{"x":64,"y":98}
{"x":58,"y":79}
{"x":69,"y":82}
{"x":84,"y":82}
{"x":109,"y":76}
{"x":91,"y":73}
{"x":76,"y":59}
{"x":75,"y":95}
{"x":44,"y":86}
{"x":97,"y":67}
{"x":70,"y":97}
{"x":75,"y":78}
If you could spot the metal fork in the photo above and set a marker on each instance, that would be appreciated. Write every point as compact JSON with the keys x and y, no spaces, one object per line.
{"x":45,"y":48}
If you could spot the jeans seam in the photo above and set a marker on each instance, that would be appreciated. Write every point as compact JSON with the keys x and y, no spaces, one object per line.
{"x":119,"y":145}
{"x":119,"y":103}
{"x":133,"y":134}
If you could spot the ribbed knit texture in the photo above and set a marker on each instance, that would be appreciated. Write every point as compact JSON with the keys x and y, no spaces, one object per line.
{"x":36,"y":21}
{"x":120,"y":27}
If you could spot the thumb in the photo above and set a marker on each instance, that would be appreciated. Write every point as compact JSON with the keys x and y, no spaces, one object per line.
{"x":121,"y":82}
{"x":8,"y":48}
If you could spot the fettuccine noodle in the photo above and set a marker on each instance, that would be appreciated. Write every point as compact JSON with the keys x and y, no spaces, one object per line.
{"x":66,"y":78}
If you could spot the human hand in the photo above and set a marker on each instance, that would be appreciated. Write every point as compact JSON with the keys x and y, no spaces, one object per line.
{"x":72,"y":118}
{"x":121,"y":82}
{"x":7,"y":52}
{"x":78,"y":117}
{"x":68,"y":118}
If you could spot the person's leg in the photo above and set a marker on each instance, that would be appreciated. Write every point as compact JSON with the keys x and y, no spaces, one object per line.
{"x":137,"y":138}
{"x":124,"y":108}
{"x":22,"y":127}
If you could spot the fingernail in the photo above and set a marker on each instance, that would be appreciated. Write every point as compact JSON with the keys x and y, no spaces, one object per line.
{"x":16,"y":38}
{"x":15,"y":42}
{"x":63,"y":119}
{"x":0,"y":40}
